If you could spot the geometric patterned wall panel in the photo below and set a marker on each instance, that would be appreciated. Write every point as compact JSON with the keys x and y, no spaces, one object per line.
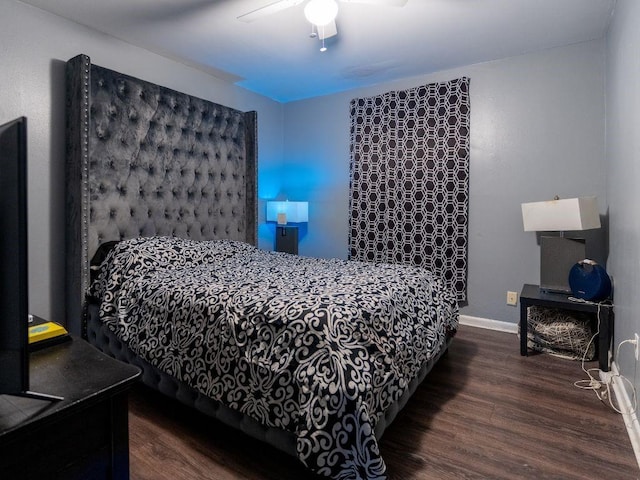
{"x":409,"y":179}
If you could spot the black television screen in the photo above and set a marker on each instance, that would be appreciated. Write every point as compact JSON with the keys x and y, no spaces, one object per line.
{"x":14,"y":303}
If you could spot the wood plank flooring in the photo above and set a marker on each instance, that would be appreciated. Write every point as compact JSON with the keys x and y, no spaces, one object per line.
{"x":484,"y":412}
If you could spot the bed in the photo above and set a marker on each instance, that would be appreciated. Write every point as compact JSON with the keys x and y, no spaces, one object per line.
{"x":313,"y":356}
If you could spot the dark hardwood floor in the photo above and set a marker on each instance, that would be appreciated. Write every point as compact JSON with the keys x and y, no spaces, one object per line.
{"x":484,"y":412}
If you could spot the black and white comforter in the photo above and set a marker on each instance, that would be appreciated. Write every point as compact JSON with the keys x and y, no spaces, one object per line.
{"x":317,"y":347}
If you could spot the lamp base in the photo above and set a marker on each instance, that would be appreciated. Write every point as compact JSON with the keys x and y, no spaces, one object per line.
{"x":287,"y":239}
{"x":557,"y":256}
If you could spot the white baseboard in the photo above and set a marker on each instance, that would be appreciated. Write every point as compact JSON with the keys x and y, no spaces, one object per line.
{"x":488,"y":324}
{"x":625,"y":405}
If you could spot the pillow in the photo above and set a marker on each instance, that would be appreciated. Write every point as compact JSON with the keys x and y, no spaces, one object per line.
{"x":98,"y":257}
{"x":102,"y":252}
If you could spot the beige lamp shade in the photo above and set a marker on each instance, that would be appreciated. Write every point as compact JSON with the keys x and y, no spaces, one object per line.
{"x":561,"y":215}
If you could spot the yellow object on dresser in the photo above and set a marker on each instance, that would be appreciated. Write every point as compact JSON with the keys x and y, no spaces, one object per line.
{"x":45,"y":331}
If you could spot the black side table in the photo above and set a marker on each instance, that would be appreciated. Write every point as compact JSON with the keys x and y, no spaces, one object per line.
{"x":531,"y":295}
{"x":86,"y":434}
{"x":287,"y":239}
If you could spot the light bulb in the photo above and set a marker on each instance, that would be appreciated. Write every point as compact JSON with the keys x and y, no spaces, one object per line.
{"x":321,"y":12}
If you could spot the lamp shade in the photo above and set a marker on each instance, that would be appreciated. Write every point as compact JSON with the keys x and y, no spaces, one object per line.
{"x":283,"y":212}
{"x":561,"y":215}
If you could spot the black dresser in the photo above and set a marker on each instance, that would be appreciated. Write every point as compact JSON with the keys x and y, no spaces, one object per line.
{"x":83,"y":436}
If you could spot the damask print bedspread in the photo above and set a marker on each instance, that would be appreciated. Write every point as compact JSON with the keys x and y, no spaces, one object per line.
{"x":317,"y":347}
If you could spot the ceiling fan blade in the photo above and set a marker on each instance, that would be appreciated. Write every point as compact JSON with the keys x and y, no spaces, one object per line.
{"x":389,"y":3}
{"x":268,"y":10}
{"x":327,"y":31}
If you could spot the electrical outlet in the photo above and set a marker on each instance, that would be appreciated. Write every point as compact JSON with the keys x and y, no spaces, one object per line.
{"x":636,"y":346}
{"x":512,"y":298}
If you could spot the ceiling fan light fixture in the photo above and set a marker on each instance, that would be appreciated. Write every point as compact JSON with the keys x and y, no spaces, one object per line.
{"x":321,"y":12}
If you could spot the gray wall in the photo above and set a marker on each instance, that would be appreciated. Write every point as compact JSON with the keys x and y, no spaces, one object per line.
{"x":33,"y":48}
{"x":537,"y":130}
{"x":623,"y":174}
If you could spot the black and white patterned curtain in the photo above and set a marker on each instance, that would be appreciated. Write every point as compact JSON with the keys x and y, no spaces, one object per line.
{"x":409,"y":185}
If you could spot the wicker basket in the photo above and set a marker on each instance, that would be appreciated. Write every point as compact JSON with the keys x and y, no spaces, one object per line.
{"x":560,"y":332}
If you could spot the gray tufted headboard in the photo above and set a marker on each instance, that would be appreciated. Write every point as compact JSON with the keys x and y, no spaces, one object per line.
{"x":146,"y":160}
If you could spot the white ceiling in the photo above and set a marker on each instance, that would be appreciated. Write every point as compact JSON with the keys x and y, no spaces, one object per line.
{"x":275,"y":56}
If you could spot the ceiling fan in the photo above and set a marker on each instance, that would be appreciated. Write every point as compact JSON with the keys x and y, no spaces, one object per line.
{"x":320,"y":13}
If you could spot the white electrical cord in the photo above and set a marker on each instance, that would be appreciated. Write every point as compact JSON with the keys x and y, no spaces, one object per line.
{"x":591,"y":383}
{"x":634,"y":403}
{"x":598,"y":386}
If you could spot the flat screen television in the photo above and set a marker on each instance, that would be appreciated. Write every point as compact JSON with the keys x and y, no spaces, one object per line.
{"x":14,"y":283}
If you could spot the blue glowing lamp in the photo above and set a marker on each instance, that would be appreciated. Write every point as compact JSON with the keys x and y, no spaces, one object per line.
{"x":287,"y":212}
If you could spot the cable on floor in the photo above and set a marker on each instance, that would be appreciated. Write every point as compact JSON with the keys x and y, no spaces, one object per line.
{"x":602,"y":388}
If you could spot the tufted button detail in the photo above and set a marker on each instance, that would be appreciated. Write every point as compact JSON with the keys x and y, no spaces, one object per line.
{"x":184,"y":163}
{"x":133,"y":115}
{"x":122,"y":87}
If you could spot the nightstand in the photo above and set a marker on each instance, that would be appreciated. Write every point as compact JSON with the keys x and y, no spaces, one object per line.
{"x":86,"y":434}
{"x":287,"y":239}
{"x":532,"y":295}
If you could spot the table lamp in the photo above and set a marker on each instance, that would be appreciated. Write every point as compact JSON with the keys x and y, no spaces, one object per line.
{"x":283,"y":213}
{"x":559,"y":253}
